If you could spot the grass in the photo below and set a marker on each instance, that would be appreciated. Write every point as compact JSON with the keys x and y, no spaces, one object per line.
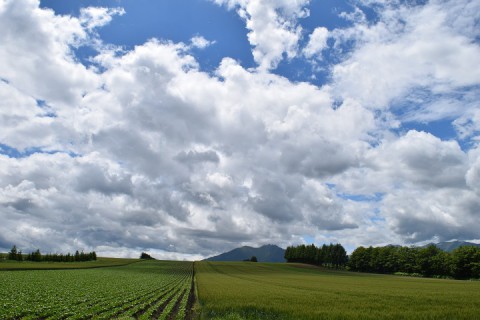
{"x":243,"y":290}
{"x":29,"y":265}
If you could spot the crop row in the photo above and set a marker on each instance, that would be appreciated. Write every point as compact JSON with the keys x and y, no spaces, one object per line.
{"x":146,"y":290}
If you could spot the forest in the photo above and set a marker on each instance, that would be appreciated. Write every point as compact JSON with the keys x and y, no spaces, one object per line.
{"x":330,"y":256}
{"x":430,"y":261}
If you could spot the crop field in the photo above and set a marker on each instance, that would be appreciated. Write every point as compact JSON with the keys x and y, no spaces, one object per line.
{"x":245,"y":290}
{"x":99,"y":263}
{"x":143,"y":290}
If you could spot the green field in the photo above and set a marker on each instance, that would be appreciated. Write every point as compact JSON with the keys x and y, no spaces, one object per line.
{"x":243,"y":290}
{"x":228,"y":290}
{"x":99,"y":263}
{"x":143,"y":290}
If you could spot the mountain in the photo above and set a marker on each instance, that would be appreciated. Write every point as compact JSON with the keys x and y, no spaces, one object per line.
{"x":445,"y":246}
{"x":266,"y":253}
{"x":452,"y":245}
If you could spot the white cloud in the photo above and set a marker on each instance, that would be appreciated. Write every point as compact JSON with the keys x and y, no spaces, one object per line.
{"x":274,"y":30}
{"x":468,"y":124}
{"x":24,"y":124}
{"x":409,"y":47}
{"x":420,"y":158}
{"x":420,"y":215}
{"x":37,"y":56}
{"x":428,"y":187}
{"x":317,"y":43}
{"x":154,"y":153}
{"x":95,"y":17}
{"x":200,"y":42}
{"x":473,"y":174}
{"x":164,"y":153}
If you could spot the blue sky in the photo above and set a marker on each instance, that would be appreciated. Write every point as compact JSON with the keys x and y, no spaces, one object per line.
{"x":187,"y":128}
{"x":180,"y":21}
{"x":177,"y":21}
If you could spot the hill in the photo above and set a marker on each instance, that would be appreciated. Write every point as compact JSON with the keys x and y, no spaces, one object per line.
{"x":447,"y":246}
{"x":266,"y":253}
{"x":452,"y":245}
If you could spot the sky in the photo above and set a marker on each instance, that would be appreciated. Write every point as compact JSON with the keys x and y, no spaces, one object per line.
{"x":190,"y":127}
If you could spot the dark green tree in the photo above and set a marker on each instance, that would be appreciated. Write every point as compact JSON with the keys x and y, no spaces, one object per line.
{"x":146,"y":256}
{"x":37,"y":256}
{"x":466,"y":262}
{"x":12,"y":255}
{"x":432,"y":261}
{"x":288,"y":253}
{"x":19,"y":256}
{"x":339,"y":256}
{"x":333,"y":255}
{"x":359,"y":260}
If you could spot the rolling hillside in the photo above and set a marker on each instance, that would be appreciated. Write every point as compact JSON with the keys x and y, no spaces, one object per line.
{"x":452,"y":245}
{"x":266,"y":253}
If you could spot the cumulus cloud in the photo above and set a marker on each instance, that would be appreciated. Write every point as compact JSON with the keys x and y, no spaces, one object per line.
{"x":274,"y":29}
{"x":95,"y":17}
{"x":149,"y":152}
{"x":159,"y":158}
{"x":200,"y":42}
{"x":468,"y":124}
{"x":24,"y":123}
{"x":51,"y":72}
{"x":445,"y":214}
{"x":409,"y":47}
{"x":317,"y":42}
{"x":421,"y":158}
{"x":473,"y":174}
{"x":427,"y":195}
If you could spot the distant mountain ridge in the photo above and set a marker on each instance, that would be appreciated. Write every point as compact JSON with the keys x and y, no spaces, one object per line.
{"x":447,"y":246}
{"x":273,"y":253}
{"x":452,"y":245}
{"x":266,"y":253}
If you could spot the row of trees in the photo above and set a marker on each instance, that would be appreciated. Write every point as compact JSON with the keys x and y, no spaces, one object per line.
{"x":462,"y":263}
{"x":36,"y":256}
{"x":332,"y":256}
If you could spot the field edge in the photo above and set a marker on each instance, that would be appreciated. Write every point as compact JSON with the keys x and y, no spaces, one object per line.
{"x":101,"y":262}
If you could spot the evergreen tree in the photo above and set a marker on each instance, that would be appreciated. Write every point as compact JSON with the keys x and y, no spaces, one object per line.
{"x":333,"y":255}
{"x":19,"y":256}
{"x":145,"y":255}
{"x":12,"y":255}
{"x":37,"y":256}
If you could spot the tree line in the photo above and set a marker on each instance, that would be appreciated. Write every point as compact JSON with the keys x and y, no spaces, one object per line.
{"x":332,"y":255}
{"x":462,"y":263}
{"x":37,"y":256}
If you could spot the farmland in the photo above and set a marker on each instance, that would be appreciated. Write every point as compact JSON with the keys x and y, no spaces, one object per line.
{"x":228,"y":290}
{"x":243,"y":290}
{"x":143,"y":290}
